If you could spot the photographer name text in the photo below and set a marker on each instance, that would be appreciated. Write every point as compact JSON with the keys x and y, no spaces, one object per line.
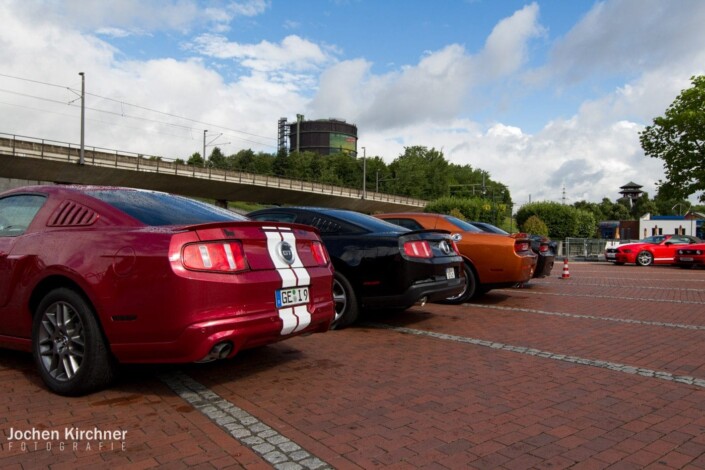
{"x":73,"y":438}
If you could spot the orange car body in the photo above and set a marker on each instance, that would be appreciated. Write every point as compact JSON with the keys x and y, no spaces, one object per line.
{"x":498,"y":260}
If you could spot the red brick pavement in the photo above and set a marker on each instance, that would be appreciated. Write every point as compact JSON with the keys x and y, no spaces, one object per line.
{"x":367,"y":397}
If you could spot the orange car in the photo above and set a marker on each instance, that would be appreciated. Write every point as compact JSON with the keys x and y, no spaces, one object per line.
{"x":491,"y":260}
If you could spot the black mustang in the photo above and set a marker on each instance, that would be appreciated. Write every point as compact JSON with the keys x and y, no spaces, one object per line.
{"x":378,"y":264}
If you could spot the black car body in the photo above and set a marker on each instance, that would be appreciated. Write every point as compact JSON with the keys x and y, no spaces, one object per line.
{"x":378,"y":264}
{"x":544,"y":247}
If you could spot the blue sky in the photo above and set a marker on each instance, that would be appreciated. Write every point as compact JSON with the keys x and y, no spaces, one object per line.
{"x":542,"y":94}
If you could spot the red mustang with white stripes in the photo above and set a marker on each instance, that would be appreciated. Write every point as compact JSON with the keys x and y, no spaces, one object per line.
{"x":92,"y":276}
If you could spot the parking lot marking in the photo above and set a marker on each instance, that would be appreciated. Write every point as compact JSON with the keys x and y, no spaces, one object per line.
{"x":614,"y":286}
{"x":278,"y":450}
{"x":593,"y":317}
{"x":615,"y":366}
{"x":641,"y":279}
{"x":612,"y":297}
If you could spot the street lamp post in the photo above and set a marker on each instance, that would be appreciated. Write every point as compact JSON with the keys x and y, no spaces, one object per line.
{"x":364,"y":173}
{"x":82,"y":154}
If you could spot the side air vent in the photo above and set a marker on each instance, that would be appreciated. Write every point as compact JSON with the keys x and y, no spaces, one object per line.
{"x":72,"y":214}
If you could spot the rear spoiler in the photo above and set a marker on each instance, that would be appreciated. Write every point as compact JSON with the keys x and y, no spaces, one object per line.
{"x":250,"y":223}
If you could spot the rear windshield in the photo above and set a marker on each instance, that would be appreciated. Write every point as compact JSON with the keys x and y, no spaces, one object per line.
{"x":462,"y":225}
{"x":368,"y":222}
{"x":154,"y":208}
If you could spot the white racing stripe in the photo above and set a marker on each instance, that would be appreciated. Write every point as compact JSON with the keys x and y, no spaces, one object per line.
{"x":289,"y":320}
{"x":294,"y":319}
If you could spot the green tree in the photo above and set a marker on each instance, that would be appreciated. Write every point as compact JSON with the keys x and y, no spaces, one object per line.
{"x":678,"y":138}
{"x":217,"y":159}
{"x":643,"y":206}
{"x":195,"y":159}
{"x":420,"y":173}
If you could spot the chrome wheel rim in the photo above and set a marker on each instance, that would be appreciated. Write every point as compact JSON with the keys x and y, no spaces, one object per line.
{"x":340,"y":300}
{"x":61,"y":341}
{"x":466,"y":285}
{"x":644,"y":259}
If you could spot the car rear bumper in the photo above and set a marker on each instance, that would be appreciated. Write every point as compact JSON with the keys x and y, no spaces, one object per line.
{"x":690,"y":260}
{"x":544,"y":266}
{"x":241,"y":331}
{"x":432,"y":290}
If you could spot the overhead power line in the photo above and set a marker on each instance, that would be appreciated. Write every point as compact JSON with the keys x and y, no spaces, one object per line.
{"x":124,"y":103}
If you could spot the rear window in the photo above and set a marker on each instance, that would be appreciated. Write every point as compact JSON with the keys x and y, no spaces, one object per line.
{"x":154,"y":208}
{"x":462,"y":225}
{"x":365,"y":221}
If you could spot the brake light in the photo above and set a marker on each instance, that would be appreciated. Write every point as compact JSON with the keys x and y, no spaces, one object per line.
{"x":521,"y":246}
{"x":319,"y":253}
{"x":543,"y":248}
{"x":225,"y":257}
{"x":418,"y":249}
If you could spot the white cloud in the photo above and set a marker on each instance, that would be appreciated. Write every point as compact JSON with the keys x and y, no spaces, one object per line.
{"x":294,"y":53}
{"x":436,"y":89}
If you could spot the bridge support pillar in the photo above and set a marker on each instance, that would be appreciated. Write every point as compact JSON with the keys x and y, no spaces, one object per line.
{"x":221,"y":203}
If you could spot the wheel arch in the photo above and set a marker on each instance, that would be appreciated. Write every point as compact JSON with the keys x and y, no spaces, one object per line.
{"x":471,"y":265}
{"x":57,"y":281}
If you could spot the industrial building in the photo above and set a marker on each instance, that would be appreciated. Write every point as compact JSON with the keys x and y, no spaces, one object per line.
{"x":322,"y":136}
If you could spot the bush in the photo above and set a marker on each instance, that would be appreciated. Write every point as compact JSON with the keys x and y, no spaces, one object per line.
{"x":562,"y":221}
{"x":477,"y":209}
{"x":535,"y":225}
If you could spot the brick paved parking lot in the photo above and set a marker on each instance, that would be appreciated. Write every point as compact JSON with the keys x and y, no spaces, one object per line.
{"x":602,"y":370}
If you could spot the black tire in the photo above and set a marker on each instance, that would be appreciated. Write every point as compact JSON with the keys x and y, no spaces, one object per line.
{"x":644,"y":258}
{"x":471,"y":291}
{"x":68,"y":345}
{"x":618,"y":264}
{"x":346,"y":307}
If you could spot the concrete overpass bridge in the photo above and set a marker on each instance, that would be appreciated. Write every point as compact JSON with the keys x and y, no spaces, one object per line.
{"x":28,"y":158}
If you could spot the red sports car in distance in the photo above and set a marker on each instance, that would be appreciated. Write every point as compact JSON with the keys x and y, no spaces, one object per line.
{"x":690,"y":256}
{"x":94,"y":276}
{"x":657,"y":249}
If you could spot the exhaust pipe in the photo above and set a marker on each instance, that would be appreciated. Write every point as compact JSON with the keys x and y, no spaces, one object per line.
{"x":422,"y":301}
{"x":219,"y":351}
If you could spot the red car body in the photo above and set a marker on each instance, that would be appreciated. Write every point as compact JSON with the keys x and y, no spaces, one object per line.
{"x":691,"y":255}
{"x":657,"y":249}
{"x":163,"y":284}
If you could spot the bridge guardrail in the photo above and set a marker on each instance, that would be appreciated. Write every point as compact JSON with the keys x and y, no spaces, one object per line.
{"x":30,"y":147}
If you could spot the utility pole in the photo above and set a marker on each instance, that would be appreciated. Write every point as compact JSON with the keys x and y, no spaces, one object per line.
{"x":204,"y":146}
{"x":364,"y":172}
{"x":82,"y":155}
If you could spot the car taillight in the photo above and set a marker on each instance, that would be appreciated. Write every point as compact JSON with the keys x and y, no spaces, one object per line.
{"x":521,"y":246}
{"x":418,"y":249}
{"x":543,"y":248}
{"x":225,"y":257}
{"x":319,"y":253}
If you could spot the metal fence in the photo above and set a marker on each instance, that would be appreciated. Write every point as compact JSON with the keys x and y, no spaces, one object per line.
{"x":587,"y":249}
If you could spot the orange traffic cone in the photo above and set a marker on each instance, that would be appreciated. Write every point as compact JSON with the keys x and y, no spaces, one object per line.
{"x":566,"y":273}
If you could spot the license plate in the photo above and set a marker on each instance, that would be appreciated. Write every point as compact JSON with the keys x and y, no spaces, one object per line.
{"x":686,"y":258}
{"x":289,"y":297}
{"x":610,"y":255}
{"x":450,"y":273}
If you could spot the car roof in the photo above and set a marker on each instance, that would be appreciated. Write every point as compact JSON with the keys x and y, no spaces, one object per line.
{"x":359,"y":219}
